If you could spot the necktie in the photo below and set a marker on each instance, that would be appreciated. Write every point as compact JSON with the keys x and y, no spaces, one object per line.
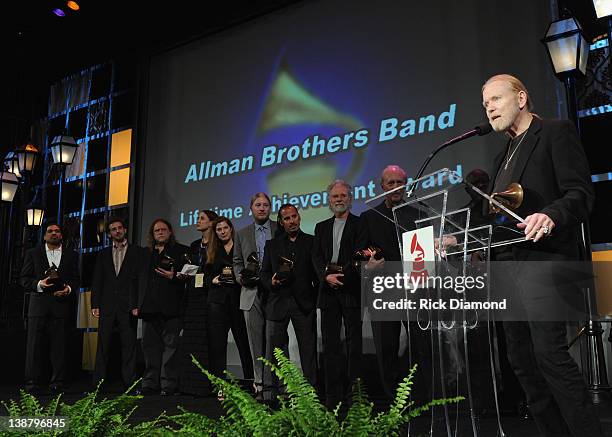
{"x":117,"y":259}
{"x":261,"y":242}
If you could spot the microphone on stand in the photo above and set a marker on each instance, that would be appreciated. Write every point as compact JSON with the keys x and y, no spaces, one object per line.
{"x":480,"y":130}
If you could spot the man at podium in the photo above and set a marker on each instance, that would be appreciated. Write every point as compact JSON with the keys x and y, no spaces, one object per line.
{"x":546,"y":158}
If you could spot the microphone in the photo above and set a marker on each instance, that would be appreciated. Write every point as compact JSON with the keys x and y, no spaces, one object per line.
{"x":480,"y":130}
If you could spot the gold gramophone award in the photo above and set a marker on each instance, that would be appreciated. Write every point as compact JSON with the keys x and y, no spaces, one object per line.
{"x":56,"y":283}
{"x":227,"y":275}
{"x":285,"y":269}
{"x":511,"y":198}
{"x":249,"y":276}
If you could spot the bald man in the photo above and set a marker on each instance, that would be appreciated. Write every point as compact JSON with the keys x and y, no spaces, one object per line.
{"x":377,"y":229}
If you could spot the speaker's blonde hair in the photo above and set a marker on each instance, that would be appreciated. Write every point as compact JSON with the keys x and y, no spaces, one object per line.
{"x":515,"y":84}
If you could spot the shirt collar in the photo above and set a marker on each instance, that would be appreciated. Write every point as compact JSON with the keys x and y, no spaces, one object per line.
{"x":59,"y":249}
{"x":265,"y":226}
{"x":120,"y":245}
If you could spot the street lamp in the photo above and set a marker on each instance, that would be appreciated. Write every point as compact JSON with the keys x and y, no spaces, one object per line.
{"x":567,"y":47}
{"x":34,"y":215}
{"x":9,"y":185}
{"x":26,"y":158}
{"x":63,"y":148}
{"x":568,"y":51}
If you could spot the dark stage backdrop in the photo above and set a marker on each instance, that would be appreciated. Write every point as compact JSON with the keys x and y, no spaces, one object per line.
{"x":329,"y":89}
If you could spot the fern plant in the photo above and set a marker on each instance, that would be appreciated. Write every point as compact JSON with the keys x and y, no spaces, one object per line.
{"x":87,"y":416}
{"x":301,"y":413}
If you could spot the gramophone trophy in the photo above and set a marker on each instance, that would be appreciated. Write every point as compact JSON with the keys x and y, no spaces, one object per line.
{"x":511,"y":198}
{"x":54,"y":279}
{"x":332,"y":269}
{"x":165,"y":262}
{"x":285,"y":269}
{"x":365,"y":254}
{"x":227,"y":275}
{"x":249,"y":276}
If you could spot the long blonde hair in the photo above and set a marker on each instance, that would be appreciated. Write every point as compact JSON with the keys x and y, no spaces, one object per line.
{"x":515,"y":84}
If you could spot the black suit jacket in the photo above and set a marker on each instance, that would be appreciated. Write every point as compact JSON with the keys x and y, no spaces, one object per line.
{"x":322,"y":252}
{"x":111,"y":292}
{"x":33,"y":270}
{"x":303,"y":285}
{"x":554,"y":173}
{"x":376,"y":228}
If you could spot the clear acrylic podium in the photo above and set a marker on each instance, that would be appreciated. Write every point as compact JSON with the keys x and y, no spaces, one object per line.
{"x":463,"y":341}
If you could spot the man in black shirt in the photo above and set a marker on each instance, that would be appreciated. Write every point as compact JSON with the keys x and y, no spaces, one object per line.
{"x":292,"y":295}
{"x":160,"y":294}
{"x":547,"y":159}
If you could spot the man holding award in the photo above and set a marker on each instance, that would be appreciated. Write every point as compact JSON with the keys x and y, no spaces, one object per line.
{"x":50,"y":274}
{"x":248,"y":255}
{"x":288,"y":274}
{"x":160,"y":295}
{"x":546,"y":158}
{"x":339,"y":294}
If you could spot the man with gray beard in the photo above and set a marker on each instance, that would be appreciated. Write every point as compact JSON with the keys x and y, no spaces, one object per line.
{"x":339,"y":294}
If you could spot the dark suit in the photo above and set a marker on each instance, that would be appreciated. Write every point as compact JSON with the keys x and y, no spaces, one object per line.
{"x":48,"y":313}
{"x":377,"y":229}
{"x":553,"y":170}
{"x":338,"y":305}
{"x":115,"y":295}
{"x":160,"y":306}
{"x":293,"y":301}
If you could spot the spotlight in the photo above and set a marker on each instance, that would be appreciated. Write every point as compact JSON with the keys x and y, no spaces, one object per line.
{"x":73,"y":5}
{"x":59,"y":12}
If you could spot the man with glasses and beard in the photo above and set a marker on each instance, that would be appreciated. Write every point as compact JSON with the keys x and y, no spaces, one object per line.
{"x":160,"y":295}
{"x":339,"y":294}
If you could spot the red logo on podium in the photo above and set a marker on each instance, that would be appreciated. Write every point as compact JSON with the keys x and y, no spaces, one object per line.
{"x":419,"y":273}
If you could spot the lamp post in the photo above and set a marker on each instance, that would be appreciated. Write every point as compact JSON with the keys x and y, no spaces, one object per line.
{"x":568,"y":51}
{"x":63,"y":148}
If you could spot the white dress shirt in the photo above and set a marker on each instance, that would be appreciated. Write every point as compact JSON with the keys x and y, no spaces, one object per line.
{"x":54,"y":256}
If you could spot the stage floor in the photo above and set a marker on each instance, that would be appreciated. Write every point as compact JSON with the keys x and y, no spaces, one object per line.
{"x":149,"y":407}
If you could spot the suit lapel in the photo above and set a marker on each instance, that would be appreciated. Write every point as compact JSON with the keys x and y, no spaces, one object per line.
{"x":345,"y":234}
{"x":43,"y":255}
{"x":523,"y":155}
{"x":329,"y":237}
{"x":252,"y":246}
